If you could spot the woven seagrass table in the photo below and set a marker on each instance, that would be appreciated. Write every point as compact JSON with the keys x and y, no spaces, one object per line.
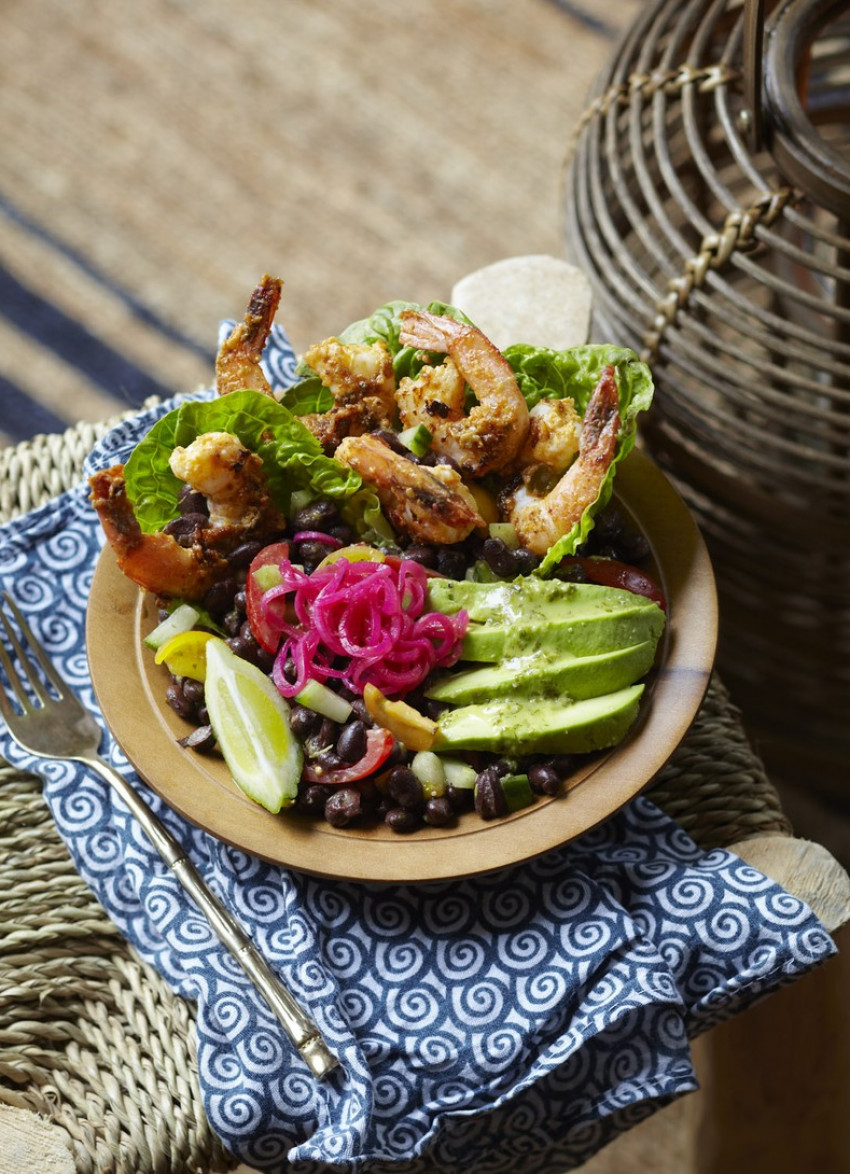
{"x":95,"y":1044}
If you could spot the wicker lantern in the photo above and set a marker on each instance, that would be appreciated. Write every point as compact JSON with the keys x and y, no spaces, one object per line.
{"x":709,"y":202}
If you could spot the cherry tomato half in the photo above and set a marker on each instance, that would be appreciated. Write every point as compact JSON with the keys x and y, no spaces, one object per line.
{"x":379,"y":744}
{"x":266,"y":636}
{"x":608,"y":572}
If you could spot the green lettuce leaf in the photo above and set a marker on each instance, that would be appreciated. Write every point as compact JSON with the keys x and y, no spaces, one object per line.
{"x":547,"y":374}
{"x":292,"y":459}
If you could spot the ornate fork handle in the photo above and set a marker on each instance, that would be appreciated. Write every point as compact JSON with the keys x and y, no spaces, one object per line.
{"x":300,"y":1028}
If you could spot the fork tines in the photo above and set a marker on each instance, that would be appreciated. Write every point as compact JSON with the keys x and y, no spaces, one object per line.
{"x":33,"y":680}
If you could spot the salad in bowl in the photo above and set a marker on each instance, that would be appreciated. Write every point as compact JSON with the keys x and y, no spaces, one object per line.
{"x":398,"y":589}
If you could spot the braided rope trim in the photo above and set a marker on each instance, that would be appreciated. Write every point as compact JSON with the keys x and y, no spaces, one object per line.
{"x":705,"y":78}
{"x":738,"y":234}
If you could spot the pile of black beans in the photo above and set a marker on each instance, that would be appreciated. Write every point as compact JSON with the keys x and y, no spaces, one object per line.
{"x":397,"y":797}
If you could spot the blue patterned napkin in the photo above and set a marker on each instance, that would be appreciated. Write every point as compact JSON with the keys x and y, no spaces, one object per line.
{"x":521,"y":1018}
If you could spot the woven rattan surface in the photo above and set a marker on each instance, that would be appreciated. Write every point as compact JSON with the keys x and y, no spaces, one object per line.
{"x":90,"y":1036}
{"x":733,"y":281}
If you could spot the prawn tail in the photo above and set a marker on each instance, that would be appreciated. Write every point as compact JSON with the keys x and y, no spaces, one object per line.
{"x":261,"y":311}
{"x":429,"y":332}
{"x":237,"y":363}
{"x":602,"y":416}
{"x":114,"y":508}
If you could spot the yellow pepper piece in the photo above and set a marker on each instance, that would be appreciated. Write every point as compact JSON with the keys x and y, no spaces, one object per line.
{"x":406,"y":724}
{"x":185,"y":655}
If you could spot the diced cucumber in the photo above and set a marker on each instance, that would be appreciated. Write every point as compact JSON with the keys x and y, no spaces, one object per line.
{"x":323,"y":700}
{"x":182,"y":619}
{"x":299,"y":498}
{"x":267,"y":576}
{"x":506,"y":532}
{"x":517,"y":791}
{"x":428,"y":768}
{"x":458,"y":773}
{"x":417,"y":439}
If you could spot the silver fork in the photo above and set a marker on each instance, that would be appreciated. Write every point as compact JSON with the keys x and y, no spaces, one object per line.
{"x":52,"y":723}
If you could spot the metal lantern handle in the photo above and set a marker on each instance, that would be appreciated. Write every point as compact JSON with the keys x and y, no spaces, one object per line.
{"x":775,"y":57}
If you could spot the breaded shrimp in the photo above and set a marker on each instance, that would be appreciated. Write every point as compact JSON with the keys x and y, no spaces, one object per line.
{"x":490,"y":437}
{"x":427,"y":504}
{"x":541,"y":521}
{"x":230,"y":476}
{"x":237,"y":364}
{"x":361,"y":379}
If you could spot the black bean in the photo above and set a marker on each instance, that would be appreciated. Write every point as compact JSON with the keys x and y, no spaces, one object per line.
{"x":185,"y":528}
{"x":324,"y":739}
{"x":438,"y":812}
{"x":544,"y":779}
{"x":329,"y":760}
{"x":358,"y":708}
{"x":526,"y":561}
{"x":329,"y":731}
{"x":193,"y":691}
{"x":499,"y":558}
{"x":490,"y":800}
{"x":202,"y":716}
{"x":309,"y":554}
{"x":343,"y":806}
{"x":392,"y":441}
{"x":397,"y":756}
{"x":370,"y":794}
{"x":565,"y":764}
{"x":219,"y":599}
{"x":312,"y":798}
{"x":232,"y":622}
{"x":432,"y":708}
{"x":608,"y":524}
{"x":190,"y":501}
{"x":304,"y":721}
{"x":239,"y":601}
{"x":316,"y":515}
{"x":343,"y":533}
{"x":405,"y":788}
{"x":402,"y":819}
{"x":634,"y":547}
{"x":426,"y":556}
{"x":248,"y":649}
{"x":178,"y":701}
{"x":351,"y":743}
{"x":451,"y":562}
{"x":244,"y":554}
{"x":201,"y":739}
{"x":461,"y":798}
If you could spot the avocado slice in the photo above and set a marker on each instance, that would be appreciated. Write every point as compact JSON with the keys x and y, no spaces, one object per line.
{"x":548,"y":674}
{"x":529,"y":615}
{"x":538,"y":725}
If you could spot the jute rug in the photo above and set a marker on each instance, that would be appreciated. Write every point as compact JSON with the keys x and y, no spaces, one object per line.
{"x":159,"y":157}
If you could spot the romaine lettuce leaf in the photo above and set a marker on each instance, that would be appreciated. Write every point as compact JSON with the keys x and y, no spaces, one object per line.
{"x":292,"y":459}
{"x":547,"y":374}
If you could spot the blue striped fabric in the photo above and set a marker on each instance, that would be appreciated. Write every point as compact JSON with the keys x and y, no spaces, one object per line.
{"x":73,"y":341}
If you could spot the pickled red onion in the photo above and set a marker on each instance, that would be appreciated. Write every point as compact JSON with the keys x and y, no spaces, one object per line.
{"x":362,"y":622}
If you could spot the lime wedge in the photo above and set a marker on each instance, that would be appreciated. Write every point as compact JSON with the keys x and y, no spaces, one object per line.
{"x":250,"y":720}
